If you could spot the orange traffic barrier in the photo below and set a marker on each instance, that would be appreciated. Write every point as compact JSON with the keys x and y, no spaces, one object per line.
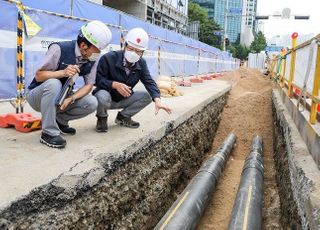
{"x":201,"y":78}
{"x":23,"y":122}
{"x":212,"y":75}
{"x":183,"y":83}
{"x":206,"y":77}
{"x":215,"y":75}
{"x":196,"y":79}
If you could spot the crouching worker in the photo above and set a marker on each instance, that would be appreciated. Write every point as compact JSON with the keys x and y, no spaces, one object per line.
{"x":64,"y":60}
{"x":117,"y":74}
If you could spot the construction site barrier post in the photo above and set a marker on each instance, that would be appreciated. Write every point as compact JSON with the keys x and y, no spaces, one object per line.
{"x":294,"y":37}
{"x":20,"y":71}
{"x":198,"y":61}
{"x":122,"y":38}
{"x":279,"y":70}
{"x":273,"y":67}
{"x":284,"y":63}
{"x":315,"y":90}
{"x":159,"y":58}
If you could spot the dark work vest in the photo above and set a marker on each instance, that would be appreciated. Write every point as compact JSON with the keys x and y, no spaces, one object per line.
{"x":68,"y":57}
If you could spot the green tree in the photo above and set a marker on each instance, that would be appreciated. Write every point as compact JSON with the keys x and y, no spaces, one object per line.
{"x":207,"y":25}
{"x":259,"y":43}
{"x":233,"y":50}
{"x":242,"y":52}
{"x":239,"y":51}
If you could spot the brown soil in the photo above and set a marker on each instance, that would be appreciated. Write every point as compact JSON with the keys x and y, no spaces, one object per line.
{"x":248,"y":112}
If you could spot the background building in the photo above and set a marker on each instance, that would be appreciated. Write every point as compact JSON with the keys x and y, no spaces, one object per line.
{"x":193,"y":30}
{"x":248,"y":23}
{"x":216,"y":11}
{"x":170,"y":14}
{"x":246,"y":36}
{"x":234,"y":20}
{"x":250,"y":12}
{"x":209,"y":5}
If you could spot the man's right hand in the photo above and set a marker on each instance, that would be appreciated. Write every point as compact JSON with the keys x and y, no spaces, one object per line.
{"x":123,"y":89}
{"x":71,"y":70}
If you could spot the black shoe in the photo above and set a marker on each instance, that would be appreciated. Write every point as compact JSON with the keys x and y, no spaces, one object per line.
{"x":126,"y":121}
{"x":65,"y":129}
{"x":53,"y":141}
{"x":102,"y":124}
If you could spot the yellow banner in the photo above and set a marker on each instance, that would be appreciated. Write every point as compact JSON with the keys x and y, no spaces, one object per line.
{"x":31,"y":27}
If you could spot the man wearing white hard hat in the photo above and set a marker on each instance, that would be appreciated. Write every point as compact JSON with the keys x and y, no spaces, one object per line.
{"x":117,"y":74}
{"x":62,"y":61}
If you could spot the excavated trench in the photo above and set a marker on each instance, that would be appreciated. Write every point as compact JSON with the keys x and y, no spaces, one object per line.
{"x":248,"y":112}
{"x":291,"y":178}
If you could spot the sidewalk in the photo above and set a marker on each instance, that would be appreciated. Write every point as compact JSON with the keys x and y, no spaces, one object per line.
{"x":26,"y":164}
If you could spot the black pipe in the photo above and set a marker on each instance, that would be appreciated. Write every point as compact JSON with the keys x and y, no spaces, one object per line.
{"x":247,"y":209}
{"x":188,"y":208}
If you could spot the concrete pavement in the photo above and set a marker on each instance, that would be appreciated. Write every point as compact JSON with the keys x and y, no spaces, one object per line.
{"x":26,"y":164}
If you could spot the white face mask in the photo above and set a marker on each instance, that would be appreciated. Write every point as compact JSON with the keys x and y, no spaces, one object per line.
{"x":131,"y":56}
{"x":94,"y":56}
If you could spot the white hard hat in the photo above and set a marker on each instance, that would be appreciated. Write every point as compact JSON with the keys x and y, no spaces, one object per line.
{"x":137,"y":38}
{"x":97,"y":33}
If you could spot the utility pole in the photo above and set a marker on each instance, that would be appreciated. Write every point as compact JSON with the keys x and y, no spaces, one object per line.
{"x":225,"y":24}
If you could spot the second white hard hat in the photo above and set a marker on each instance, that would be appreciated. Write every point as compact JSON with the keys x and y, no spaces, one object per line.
{"x":97,"y":33}
{"x":137,"y":38}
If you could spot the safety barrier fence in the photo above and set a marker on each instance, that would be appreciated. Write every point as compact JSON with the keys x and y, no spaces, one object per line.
{"x":45,"y":22}
{"x":257,"y":60}
{"x":298,"y":70}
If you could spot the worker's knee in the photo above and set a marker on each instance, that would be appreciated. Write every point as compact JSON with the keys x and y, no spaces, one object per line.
{"x":52,"y":86}
{"x":91,"y":103}
{"x":103,"y":98}
{"x":144,"y":97}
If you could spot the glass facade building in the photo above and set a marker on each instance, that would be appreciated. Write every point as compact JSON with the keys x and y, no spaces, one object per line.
{"x":216,"y":11}
{"x":250,"y":10}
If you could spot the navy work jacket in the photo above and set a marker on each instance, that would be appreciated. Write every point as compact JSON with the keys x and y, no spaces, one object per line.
{"x":110,"y":68}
